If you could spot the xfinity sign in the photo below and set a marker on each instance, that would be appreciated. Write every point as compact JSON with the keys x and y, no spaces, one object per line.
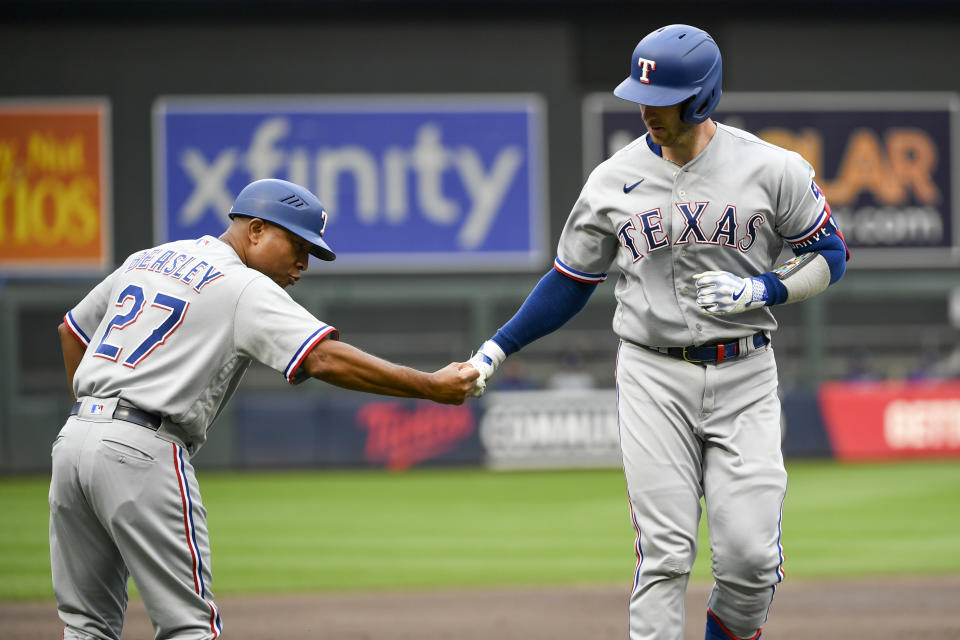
{"x":409,"y":183}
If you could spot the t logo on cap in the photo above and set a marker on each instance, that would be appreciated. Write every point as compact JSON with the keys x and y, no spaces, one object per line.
{"x":647,"y":66}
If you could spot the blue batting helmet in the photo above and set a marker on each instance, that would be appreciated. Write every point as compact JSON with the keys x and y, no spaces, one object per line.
{"x":289,"y":206}
{"x":674,"y":64}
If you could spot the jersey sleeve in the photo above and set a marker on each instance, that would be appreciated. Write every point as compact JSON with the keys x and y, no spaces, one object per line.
{"x":802,"y":210}
{"x":588,"y":244}
{"x":273,"y":329}
{"x":82,"y":321}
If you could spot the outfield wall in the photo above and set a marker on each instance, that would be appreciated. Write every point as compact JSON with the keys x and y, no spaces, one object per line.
{"x":527,"y":429}
{"x":517,"y":429}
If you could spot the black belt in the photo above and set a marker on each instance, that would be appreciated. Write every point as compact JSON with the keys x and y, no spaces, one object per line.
{"x":129,"y":413}
{"x":711,"y":352}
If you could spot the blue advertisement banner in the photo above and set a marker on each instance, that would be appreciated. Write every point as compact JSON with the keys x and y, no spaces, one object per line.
{"x":884,"y":162}
{"x":409,"y":183}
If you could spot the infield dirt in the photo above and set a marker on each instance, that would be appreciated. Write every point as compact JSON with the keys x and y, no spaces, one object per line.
{"x":854,"y":610}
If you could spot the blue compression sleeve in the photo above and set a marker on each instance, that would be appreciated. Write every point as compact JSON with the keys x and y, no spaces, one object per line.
{"x":554,"y":300}
{"x":834,"y":251}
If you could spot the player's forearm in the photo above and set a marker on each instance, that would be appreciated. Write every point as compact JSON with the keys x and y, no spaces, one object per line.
{"x":346,"y":366}
{"x":72,"y":353}
{"x":554,"y":300}
{"x":551,"y":304}
{"x":799,"y":278}
{"x":805,"y":275}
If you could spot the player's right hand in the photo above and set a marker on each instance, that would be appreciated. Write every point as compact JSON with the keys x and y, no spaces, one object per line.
{"x":722,"y":293}
{"x":454,"y":383}
{"x":486,"y":360}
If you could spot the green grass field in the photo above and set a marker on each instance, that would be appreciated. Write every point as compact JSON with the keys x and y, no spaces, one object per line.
{"x":328,"y":531}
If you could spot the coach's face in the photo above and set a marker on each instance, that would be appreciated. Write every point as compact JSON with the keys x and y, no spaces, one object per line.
{"x":665,"y":126}
{"x":277,"y":253}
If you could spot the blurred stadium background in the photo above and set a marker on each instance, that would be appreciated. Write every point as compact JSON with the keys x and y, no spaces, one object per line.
{"x":126,"y":123}
{"x":886,"y":67}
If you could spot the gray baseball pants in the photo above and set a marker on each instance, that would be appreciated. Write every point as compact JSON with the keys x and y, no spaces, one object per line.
{"x":701,"y":430}
{"x":125,"y":502}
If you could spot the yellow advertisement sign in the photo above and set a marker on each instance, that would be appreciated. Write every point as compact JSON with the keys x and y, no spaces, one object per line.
{"x":54,"y":186}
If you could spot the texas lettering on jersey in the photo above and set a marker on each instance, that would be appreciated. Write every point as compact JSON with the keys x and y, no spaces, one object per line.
{"x":177,"y":265}
{"x":727,"y":231}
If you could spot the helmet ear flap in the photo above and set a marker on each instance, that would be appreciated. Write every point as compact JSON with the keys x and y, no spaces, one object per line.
{"x":697,"y":109}
{"x":689,"y":108}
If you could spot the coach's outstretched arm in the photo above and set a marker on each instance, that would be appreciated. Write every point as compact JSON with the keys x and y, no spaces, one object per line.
{"x":555,"y":299}
{"x":346,"y":366}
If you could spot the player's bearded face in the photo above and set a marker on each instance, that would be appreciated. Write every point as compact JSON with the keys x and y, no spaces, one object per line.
{"x":665,"y":126}
{"x":280,"y":255}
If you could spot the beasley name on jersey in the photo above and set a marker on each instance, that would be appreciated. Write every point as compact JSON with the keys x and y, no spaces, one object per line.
{"x":176,"y":264}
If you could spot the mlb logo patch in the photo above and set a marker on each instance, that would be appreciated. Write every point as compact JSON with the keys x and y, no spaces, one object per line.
{"x":96,"y":409}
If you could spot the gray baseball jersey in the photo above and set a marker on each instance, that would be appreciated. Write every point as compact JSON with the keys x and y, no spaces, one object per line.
{"x":173,"y":330}
{"x":170,"y":332}
{"x":729,"y":209}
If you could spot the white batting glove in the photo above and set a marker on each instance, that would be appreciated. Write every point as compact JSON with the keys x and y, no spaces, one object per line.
{"x":721,"y":293}
{"x":486,"y":360}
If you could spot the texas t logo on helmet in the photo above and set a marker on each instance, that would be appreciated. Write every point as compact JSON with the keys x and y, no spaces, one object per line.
{"x":646,"y":66}
{"x":688,"y":70}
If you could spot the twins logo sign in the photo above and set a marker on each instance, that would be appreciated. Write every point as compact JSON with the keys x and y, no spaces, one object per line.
{"x":415,"y":183}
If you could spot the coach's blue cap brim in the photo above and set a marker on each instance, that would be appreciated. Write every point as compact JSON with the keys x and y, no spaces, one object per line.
{"x":318,"y":247}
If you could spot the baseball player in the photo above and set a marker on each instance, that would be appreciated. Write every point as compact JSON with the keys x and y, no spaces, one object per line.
{"x":694,"y":214}
{"x":153,"y":353}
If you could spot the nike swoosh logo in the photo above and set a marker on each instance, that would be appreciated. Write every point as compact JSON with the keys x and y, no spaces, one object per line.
{"x":737,"y":295}
{"x":627,"y":189}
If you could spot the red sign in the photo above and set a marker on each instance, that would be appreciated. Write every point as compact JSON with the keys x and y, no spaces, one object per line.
{"x":401,"y":437}
{"x":892,"y":420}
{"x":54,"y":212}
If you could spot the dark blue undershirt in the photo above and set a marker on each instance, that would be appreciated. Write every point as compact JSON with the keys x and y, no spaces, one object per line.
{"x":554,"y":300}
